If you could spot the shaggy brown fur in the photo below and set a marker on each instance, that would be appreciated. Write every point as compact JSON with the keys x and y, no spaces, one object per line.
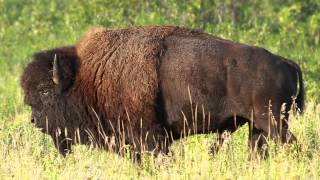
{"x":144,"y":84}
{"x":125,"y":81}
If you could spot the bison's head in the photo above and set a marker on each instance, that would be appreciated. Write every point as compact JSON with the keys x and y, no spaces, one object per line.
{"x":46,"y":81}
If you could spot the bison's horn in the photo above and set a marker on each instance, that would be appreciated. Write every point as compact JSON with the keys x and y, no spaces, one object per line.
{"x":55,"y":76}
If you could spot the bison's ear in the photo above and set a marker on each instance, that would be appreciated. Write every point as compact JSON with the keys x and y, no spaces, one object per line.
{"x":64,"y":71}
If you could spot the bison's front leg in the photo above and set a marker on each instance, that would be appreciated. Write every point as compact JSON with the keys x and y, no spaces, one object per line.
{"x":150,"y":140}
{"x":62,"y":143}
{"x":156,"y":142}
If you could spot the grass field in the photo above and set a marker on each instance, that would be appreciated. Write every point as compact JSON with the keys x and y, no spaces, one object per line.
{"x":288,"y":29}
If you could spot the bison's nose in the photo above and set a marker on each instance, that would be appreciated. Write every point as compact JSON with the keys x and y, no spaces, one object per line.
{"x":33,"y":119}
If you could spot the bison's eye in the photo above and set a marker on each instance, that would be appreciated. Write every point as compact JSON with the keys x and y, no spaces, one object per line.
{"x":44,"y":92}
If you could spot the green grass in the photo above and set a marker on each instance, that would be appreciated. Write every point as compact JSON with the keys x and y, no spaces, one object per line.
{"x":30,"y":26}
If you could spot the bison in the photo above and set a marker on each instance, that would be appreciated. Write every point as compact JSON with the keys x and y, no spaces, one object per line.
{"x":148,"y":86}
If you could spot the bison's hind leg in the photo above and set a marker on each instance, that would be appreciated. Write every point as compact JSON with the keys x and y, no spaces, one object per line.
{"x":257,"y":142}
{"x":270,"y":123}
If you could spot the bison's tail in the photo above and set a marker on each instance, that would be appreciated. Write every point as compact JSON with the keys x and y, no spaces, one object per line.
{"x":300,"y":91}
